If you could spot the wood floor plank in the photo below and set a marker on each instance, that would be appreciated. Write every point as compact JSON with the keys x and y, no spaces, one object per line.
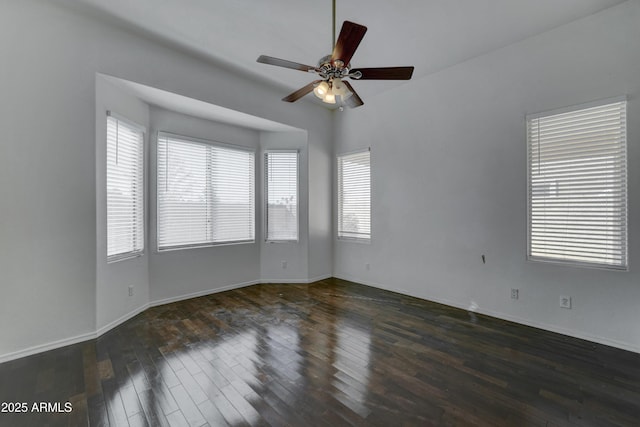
{"x":129,"y":397}
{"x":191,"y":386}
{"x":248,"y":412}
{"x":187,"y":406}
{"x":80,"y":414}
{"x":116,"y":412}
{"x":212,"y":414}
{"x":152,"y":409}
{"x":138,"y":420}
{"x":177,"y":419}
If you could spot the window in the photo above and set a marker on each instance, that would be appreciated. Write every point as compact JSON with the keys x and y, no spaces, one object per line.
{"x":354,"y":196}
{"x":281,"y":177}
{"x":205,"y":193}
{"x":125,"y":189}
{"x":577,"y":187}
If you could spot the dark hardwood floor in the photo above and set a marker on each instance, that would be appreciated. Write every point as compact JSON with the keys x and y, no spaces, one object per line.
{"x":331,"y":353}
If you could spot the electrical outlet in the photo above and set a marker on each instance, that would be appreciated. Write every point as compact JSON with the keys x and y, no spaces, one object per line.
{"x":367,"y":266}
{"x":130,"y":290}
{"x":515,"y":293}
{"x":284,"y":264}
{"x":565,"y":302}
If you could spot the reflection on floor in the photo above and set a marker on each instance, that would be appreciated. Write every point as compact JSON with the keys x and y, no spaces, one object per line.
{"x":332,"y":353}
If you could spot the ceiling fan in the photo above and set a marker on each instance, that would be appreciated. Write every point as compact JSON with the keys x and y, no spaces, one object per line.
{"x":333,"y":69}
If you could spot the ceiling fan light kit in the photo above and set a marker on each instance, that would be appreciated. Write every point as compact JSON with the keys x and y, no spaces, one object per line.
{"x":328,"y":90}
{"x":332,"y":88}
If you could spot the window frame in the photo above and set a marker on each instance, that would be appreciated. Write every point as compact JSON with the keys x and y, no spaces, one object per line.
{"x":624,"y":171}
{"x":211,"y":143}
{"x":266,"y":195}
{"x":339,"y":232}
{"x":135,"y":253}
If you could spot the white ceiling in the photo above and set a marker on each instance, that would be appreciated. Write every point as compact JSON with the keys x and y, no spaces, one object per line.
{"x":196,"y":108}
{"x":429,"y":34}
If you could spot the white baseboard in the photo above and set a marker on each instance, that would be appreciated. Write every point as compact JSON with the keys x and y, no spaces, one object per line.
{"x":46,"y":347}
{"x":303,"y":281}
{"x":318,"y":278}
{"x":290,"y":281}
{"x":547,"y":327}
{"x":568,"y":332}
{"x":106,"y":328}
{"x":354,"y":279}
{"x":202,"y":293}
{"x":504,"y":316}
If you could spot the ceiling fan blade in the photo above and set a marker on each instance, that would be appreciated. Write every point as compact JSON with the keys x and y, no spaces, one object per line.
{"x":385,"y":73}
{"x":354,"y":100}
{"x":300,"y":92}
{"x":270,"y":60}
{"x":350,"y":37}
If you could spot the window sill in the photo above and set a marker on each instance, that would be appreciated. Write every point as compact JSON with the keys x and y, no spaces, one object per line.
{"x":354,"y":240}
{"x":577,"y":264}
{"x":204,"y":245}
{"x":124,"y":257}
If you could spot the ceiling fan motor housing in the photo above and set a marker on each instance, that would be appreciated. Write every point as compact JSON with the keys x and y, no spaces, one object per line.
{"x":335,"y":69}
{"x":328,"y":68}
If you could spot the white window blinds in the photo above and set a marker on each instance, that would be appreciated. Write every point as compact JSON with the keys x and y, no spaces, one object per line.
{"x":125,"y":189}
{"x":205,"y":193}
{"x":281,"y":177}
{"x":354,"y":196}
{"x":578,"y":186}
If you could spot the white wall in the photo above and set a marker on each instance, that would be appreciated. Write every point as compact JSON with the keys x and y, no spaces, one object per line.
{"x":295,"y":254}
{"x":47,"y":158}
{"x":320,"y":224}
{"x":113,"y":280}
{"x":176,"y":274}
{"x":449,"y":180}
{"x":47,"y":180}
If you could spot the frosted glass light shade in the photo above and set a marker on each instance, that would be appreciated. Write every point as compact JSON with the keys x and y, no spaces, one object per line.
{"x":339,"y":88}
{"x":329,"y":98}
{"x":321,"y":90}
